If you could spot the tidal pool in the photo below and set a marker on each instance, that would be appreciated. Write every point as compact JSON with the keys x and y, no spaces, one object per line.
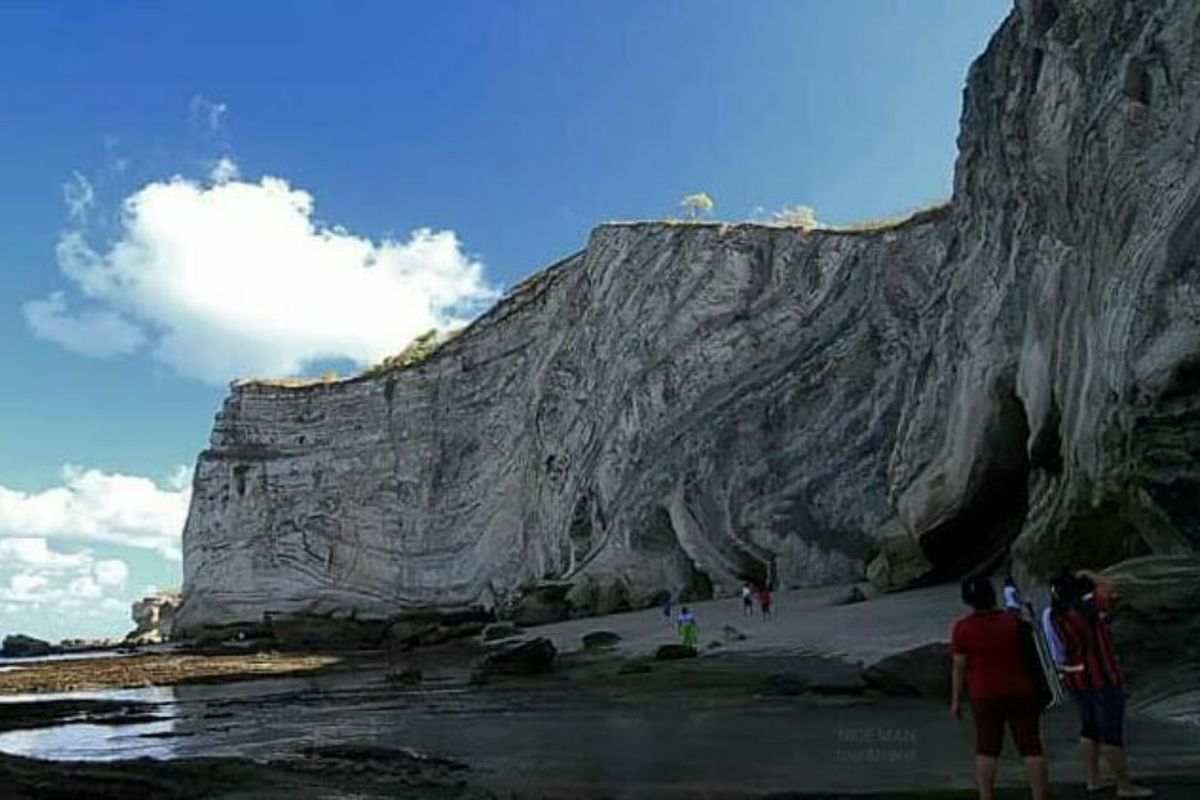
{"x":560,"y":737}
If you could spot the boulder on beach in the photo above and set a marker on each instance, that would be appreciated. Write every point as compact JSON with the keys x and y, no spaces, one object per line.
{"x":600,"y":640}
{"x":674,"y":652}
{"x":523,"y":657}
{"x":500,"y":630}
{"x":21,"y":646}
{"x":920,"y":671}
{"x":542,"y":603}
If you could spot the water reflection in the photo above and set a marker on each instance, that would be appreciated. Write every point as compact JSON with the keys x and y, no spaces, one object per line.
{"x":87,"y":741}
{"x":558,"y":736}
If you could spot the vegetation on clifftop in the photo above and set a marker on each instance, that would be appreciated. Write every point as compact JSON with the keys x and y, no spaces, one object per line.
{"x":419,"y":349}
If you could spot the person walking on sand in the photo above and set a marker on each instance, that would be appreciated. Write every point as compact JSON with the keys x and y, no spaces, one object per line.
{"x":991,"y":655}
{"x":764,"y":601}
{"x":666,"y":607}
{"x":1093,"y":676}
{"x":747,"y":600}
{"x":689,"y":632}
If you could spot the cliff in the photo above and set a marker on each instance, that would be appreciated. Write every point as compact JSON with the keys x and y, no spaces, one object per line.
{"x":680,"y":406}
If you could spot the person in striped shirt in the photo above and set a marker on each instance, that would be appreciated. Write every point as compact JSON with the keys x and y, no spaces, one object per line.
{"x":1092,"y":674}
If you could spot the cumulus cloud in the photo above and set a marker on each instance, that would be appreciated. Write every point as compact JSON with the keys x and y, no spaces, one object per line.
{"x":225,"y":170}
{"x":234,"y":278}
{"x":94,"y":507}
{"x":28,"y":551}
{"x":98,"y":333}
{"x":33,"y":573}
{"x":110,"y":572}
{"x":25,"y":586}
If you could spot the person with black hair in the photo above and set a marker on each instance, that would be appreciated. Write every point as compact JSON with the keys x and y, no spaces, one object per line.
{"x":991,"y":659}
{"x":1080,"y":604}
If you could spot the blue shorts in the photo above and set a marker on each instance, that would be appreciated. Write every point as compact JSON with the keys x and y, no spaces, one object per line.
{"x":1102,"y":715}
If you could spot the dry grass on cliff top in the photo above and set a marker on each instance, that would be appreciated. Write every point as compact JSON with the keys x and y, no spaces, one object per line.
{"x":157,"y":669}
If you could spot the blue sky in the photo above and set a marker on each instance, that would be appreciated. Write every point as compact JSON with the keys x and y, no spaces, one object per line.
{"x":308,"y":141}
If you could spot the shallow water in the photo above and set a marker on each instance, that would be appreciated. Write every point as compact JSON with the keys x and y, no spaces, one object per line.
{"x":25,"y":661}
{"x":557,"y":736}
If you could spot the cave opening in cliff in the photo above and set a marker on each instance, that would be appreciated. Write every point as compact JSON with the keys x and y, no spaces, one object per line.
{"x":977,"y":539}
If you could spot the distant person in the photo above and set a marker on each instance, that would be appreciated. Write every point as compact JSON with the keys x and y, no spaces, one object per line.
{"x":666,"y":607}
{"x":747,"y":600}
{"x":992,"y":656}
{"x":1013,"y":601}
{"x":764,"y":601}
{"x":689,"y":632}
{"x":1092,"y":674}
{"x":1012,"y":596}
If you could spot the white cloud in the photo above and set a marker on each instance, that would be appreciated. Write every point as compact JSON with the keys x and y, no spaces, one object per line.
{"x":234,"y":278}
{"x":59,"y":580}
{"x":205,"y":114}
{"x":79,"y":197}
{"x":34,"y":552}
{"x":96,"y":507}
{"x":96,"y":332}
{"x":225,"y":170}
{"x":110,"y":572}
{"x":25,"y":586}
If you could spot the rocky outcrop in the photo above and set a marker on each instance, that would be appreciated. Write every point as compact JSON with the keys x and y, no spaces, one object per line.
{"x":682,"y":407}
{"x":1156,"y":624}
{"x":154,"y":617}
{"x":21,"y":646}
{"x":923,"y":670}
{"x":520,"y":657}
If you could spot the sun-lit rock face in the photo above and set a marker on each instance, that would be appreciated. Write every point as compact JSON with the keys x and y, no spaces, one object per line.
{"x":154,"y":617}
{"x":682,"y":406}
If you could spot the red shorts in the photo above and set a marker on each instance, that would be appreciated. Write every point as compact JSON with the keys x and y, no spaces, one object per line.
{"x":1022,"y":717}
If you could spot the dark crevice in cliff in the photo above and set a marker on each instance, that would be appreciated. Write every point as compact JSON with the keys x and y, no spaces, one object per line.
{"x":977,"y":538}
{"x":701,"y":587}
{"x":1045,"y":452}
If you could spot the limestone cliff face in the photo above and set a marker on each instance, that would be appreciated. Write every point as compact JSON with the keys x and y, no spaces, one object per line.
{"x":682,"y":406}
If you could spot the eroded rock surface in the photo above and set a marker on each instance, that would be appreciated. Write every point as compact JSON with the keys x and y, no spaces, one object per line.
{"x":154,"y":617}
{"x":683,"y":407}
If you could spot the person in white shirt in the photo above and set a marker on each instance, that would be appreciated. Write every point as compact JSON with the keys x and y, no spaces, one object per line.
{"x":1012,"y":596}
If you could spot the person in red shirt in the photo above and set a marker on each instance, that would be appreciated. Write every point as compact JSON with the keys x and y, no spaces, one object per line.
{"x":1080,"y":604}
{"x":991,"y":659}
{"x":764,"y":601}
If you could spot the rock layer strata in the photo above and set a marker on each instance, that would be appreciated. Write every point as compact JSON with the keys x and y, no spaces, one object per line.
{"x":685,"y":406}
